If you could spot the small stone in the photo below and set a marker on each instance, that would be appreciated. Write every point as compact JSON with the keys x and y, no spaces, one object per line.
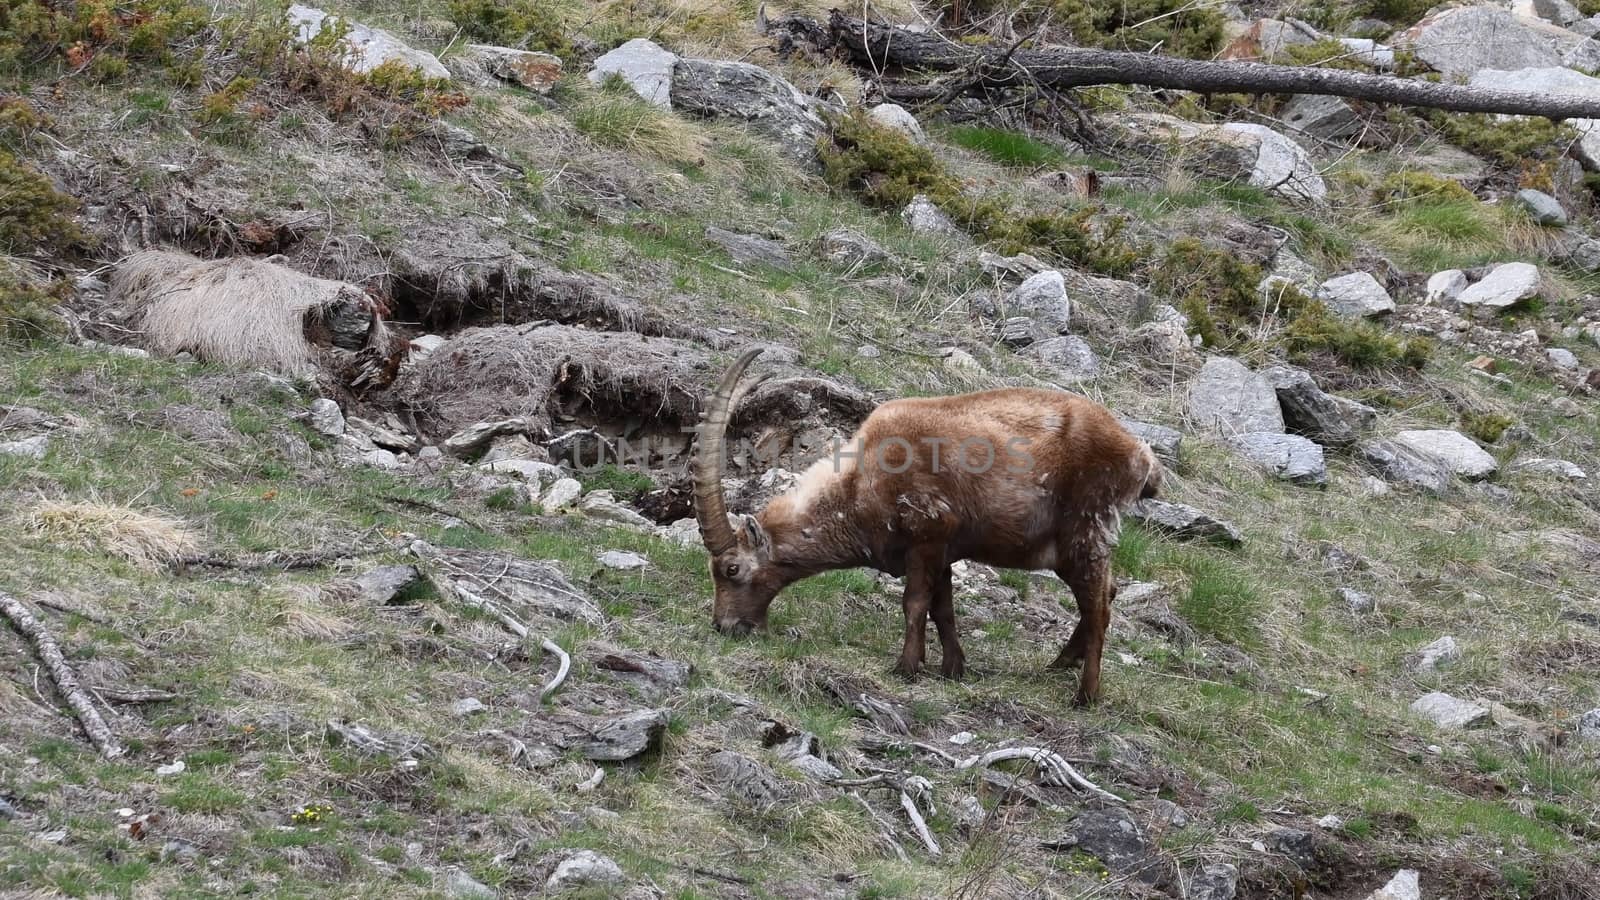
{"x":1486,"y":364}
{"x":1300,"y":846}
{"x":1288,"y":456}
{"x":380,"y":459}
{"x":384,"y":583}
{"x":461,"y":886}
{"x":1405,"y":885}
{"x":1218,"y":881}
{"x":1330,"y":823}
{"x":1166,"y":442}
{"x":1043,"y":298}
{"x":1555,"y":468}
{"x":175,"y":767}
{"x":845,"y":247}
{"x":1446,"y":711}
{"x":923,"y":217}
{"x":467,"y":706}
{"x":1561,"y":358}
{"x":1505,"y":286}
{"x":561,"y":495}
{"x":1185,"y":522}
{"x":894,"y":116}
{"x":326,"y":418}
{"x":1356,"y":601}
{"x":28,"y":448}
{"x":602,"y":505}
{"x":959,"y":360}
{"x":867,"y":351}
{"x":1374,"y":487}
{"x":1588,"y":728}
{"x":644,"y":65}
{"x":1451,"y":449}
{"x":622,"y":560}
{"x":1357,"y":294}
{"x":962,"y":738}
{"x":584,"y":868}
{"x":1440,"y":652}
{"x":1544,"y":209}
{"x":1168,"y":813}
{"x":1069,"y":357}
{"x":1566,"y":407}
{"x":1226,"y":397}
{"x":1445,"y":287}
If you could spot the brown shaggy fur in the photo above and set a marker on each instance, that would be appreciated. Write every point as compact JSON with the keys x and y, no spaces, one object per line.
{"x":1041,"y":484}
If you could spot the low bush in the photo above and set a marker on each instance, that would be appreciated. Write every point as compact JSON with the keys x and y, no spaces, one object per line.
{"x":523,"y":24}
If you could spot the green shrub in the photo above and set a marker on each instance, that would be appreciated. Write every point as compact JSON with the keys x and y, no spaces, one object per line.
{"x":1486,"y":427}
{"x":886,"y":169}
{"x":1411,"y":188}
{"x":1357,"y":343}
{"x":25,"y":303}
{"x":98,"y":37}
{"x":1511,"y":143}
{"x":34,"y":215}
{"x":1176,"y":27}
{"x":524,"y":24}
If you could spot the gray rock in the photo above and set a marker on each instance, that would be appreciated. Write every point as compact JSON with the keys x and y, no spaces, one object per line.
{"x":1360,"y":416}
{"x":326,"y":418}
{"x":370,"y":47}
{"x":1451,"y":449}
{"x":1281,"y":165}
{"x":28,"y":448}
{"x":584,"y":869}
{"x":529,"y":470}
{"x":644,"y":65}
{"x":845,"y":247}
{"x":387,"y":438}
{"x":1369,"y":51}
{"x":1288,"y":456}
{"x":1561,"y":358}
{"x":749,"y":248}
{"x":1545,"y":209}
{"x":1021,"y":331}
{"x":894,"y":116}
{"x":1069,"y":357}
{"x":1397,"y":463}
{"x":459,"y":885}
{"x":1441,"y":652}
{"x":1185,"y":522}
{"x":623,"y":560}
{"x":747,"y":93}
{"x":1555,"y":468}
{"x":1357,"y":294}
{"x":1218,"y":881}
{"x":1405,"y":885}
{"x":1299,"y":846}
{"x":1588,"y":728}
{"x":474,"y":438}
{"x":602,"y":505}
{"x":1324,"y":117}
{"x":1445,"y":287}
{"x":621,"y":737}
{"x":1226,"y":397}
{"x":747,"y":782}
{"x":1166,"y":442}
{"x":867,"y":351}
{"x":923,"y":217}
{"x":380,"y":459}
{"x":1043,"y":298}
{"x":466,"y":706}
{"x":561,"y":495}
{"x":1356,"y":601}
{"x":1446,"y":711}
{"x":1113,"y":837}
{"x":1466,"y":40}
{"x":1166,"y":812}
{"x":384,"y":583}
{"x":538,"y":72}
{"x":1307,"y":409}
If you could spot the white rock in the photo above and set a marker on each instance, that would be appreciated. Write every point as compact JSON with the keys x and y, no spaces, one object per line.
{"x":962,"y":738}
{"x":622,"y":560}
{"x":532,"y":471}
{"x":326,"y":417}
{"x":380,"y":459}
{"x":1451,"y":449}
{"x":1405,"y":885}
{"x":923,"y":217}
{"x":1356,"y":294}
{"x":422,"y":346}
{"x":1446,"y":286}
{"x":1369,"y":51}
{"x":1557,"y":468}
{"x":1330,"y":822}
{"x":685,"y":532}
{"x":959,"y":360}
{"x":891,"y":115}
{"x":175,"y":767}
{"x":1447,"y":711}
{"x":1229,"y":398}
{"x":1288,"y":456}
{"x":1561,"y":358}
{"x":27,"y":448}
{"x":370,"y":47}
{"x":584,"y":868}
{"x":603,"y":505}
{"x":561,"y":495}
{"x":1470,"y":40}
{"x":1588,"y":729}
{"x":1282,"y":166}
{"x":466,"y":706}
{"x":644,"y":65}
{"x":1440,"y":652}
{"x":1555,"y":79}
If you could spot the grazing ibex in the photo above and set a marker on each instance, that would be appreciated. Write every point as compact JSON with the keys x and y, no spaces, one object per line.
{"x":1018,"y":478}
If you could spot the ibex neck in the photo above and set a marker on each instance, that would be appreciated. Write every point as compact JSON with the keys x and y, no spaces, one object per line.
{"x":813,"y":528}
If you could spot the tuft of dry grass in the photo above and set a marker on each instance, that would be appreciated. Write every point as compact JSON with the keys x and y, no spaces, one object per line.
{"x":145,"y":539}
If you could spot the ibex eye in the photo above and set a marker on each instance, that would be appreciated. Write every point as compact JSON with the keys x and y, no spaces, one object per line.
{"x":733,"y":569}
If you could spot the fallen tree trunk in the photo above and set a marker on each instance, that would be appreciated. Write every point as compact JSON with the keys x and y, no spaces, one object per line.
{"x":55,"y":664}
{"x":884,"y":49}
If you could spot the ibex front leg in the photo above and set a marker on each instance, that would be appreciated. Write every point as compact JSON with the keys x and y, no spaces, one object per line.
{"x":953,"y":665}
{"x":922,"y":568}
{"x":1093,"y":588}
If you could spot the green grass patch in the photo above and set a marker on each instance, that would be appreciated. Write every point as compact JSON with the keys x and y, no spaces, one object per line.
{"x":1009,"y":148}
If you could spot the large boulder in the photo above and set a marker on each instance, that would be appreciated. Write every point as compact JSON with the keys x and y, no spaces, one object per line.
{"x":1288,"y":456}
{"x":1551,"y":78}
{"x":1226,"y":397}
{"x":1505,"y":286}
{"x":369,"y":47}
{"x":646,"y":67}
{"x":1356,"y":295}
{"x":1308,"y":410}
{"x":1234,"y":151}
{"x":1450,"y":449}
{"x":1320,"y":116}
{"x":538,"y":72}
{"x":1043,"y":299}
{"x":746,"y":92}
{"x":1464,"y":40}
{"x":1398,"y":463}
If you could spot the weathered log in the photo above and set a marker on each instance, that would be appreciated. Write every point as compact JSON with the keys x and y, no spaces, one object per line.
{"x":890,"y":50}
{"x":61,"y":675}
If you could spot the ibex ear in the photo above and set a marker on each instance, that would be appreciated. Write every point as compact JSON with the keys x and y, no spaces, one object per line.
{"x":756,"y":536}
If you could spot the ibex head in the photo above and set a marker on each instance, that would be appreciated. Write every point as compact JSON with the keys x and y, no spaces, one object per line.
{"x":742,"y":568}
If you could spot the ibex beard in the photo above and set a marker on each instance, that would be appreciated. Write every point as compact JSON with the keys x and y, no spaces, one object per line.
{"x":1020,"y":478}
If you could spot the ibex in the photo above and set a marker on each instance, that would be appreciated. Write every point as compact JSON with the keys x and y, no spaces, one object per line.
{"x":1020,"y":478}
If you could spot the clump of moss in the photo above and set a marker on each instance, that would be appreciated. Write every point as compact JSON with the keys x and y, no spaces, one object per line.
{"x":1410,"y":188}
{"x":35,"y":215}
{"x":886,"y":169}
{"x":19,"y":119}
{"x":26,"y":299}
{"x":1174,"y":27}
{"x":1327,"y":53}
{"x":1510,"y":143}
{"x":1357,"y":343}
{"x":1486,"y":427}
{"x":523,"y":24}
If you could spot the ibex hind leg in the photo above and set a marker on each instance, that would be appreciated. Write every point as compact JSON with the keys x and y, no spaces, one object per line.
{"x":943,"y":611}
{"x":1093,"y":588}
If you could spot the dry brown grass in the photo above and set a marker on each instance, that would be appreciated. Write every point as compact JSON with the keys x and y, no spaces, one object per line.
{"x":236,"y":311}
{"x":145,"y":539}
